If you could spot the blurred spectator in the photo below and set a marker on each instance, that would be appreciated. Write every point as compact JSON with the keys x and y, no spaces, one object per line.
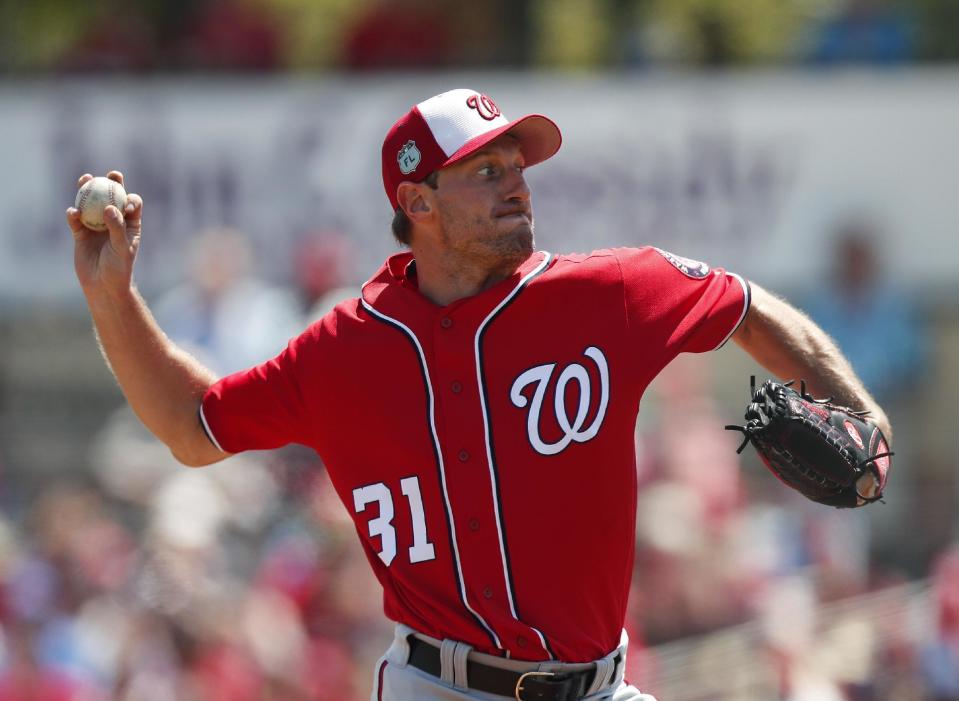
{"x":117,"y":37}
{"x":875,"y":324}
{"x":213,"y":35}
{"x":223,"y":314}
{"x":939,"y":663}
{"x":25,"y":678}
{"x":864,"y":31}
{"x":711,"y":34}
{"x":937,"y":28}
{"x":399,"y":35}
{"x":687,"y":517}
{"x":225,"y":35}
{"x":322,"y":264}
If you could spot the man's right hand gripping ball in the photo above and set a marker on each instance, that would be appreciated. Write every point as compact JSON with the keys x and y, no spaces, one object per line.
{"x":104,"y":259}
{"x":829,"y":453}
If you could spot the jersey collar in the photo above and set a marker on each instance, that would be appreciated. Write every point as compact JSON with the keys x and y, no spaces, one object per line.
{"x":394,"y":290}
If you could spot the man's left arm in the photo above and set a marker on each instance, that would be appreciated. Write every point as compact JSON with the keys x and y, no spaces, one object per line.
{"x":791,"y":346}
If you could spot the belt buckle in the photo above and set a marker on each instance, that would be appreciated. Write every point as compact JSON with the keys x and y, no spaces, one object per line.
{"x":519,"y":682}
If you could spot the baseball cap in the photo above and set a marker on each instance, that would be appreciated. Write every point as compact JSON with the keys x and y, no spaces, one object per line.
{"x":451,"y":126}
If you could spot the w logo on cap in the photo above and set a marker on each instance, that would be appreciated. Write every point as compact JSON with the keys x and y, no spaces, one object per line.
{"x":484,"y":105}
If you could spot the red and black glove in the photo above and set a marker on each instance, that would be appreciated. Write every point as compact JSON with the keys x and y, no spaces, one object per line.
{"x":829,"y":453}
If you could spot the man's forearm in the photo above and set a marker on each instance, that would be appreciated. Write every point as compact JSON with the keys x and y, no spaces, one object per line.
{"x":162,"y":383}
{"x":787,"y":343}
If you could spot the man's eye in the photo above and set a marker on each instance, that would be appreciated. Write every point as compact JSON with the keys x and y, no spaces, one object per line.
{"x":486,"y":171}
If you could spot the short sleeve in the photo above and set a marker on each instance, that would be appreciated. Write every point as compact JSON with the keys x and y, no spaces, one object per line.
{"x":676,"y":304}
{"x":262,"y":407}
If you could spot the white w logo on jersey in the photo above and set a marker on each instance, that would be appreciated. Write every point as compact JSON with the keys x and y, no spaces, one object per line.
{"x":572,"y":430}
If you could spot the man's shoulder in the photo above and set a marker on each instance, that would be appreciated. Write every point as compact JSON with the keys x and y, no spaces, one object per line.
{"x":606,"y":255}
{"x":330,"y":319}
{"x":597,"y":262}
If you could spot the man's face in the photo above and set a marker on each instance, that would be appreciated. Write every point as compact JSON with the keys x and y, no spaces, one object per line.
{"x":484,"y":205}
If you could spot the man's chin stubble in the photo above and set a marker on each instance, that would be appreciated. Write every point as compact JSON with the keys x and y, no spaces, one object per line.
{"x":516,"y":246}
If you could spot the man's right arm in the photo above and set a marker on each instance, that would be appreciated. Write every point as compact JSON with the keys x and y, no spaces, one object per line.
{"x":163,"y":384}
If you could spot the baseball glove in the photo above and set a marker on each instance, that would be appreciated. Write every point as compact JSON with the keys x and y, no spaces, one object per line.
{"x":829,"y":453}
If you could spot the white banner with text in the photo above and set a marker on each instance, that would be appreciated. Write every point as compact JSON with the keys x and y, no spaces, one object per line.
{"x":753,"y":172}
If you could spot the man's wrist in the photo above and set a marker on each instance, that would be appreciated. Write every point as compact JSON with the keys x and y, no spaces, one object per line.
{"x":103,"y":299}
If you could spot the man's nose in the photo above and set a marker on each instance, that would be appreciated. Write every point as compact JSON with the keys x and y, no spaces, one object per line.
{"x":517,"y":189}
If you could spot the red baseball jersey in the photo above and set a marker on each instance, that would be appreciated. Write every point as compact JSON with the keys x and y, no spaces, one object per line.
{"x":485,"y":449}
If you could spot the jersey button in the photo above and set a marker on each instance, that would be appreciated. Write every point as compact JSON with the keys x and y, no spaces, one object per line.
{"x":488,"y":593}
{"x":474,"y":524}
{"x":446,"y":322}
{"x":456,"y":387}
{"x":463,"y":456}
{"x":521,"y":641}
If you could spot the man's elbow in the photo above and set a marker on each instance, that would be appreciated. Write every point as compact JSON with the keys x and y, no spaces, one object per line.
{"x":194,"y":457}
{"x":187,"y":459}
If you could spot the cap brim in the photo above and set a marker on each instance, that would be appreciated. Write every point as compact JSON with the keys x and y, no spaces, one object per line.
{"x":539,"y":139}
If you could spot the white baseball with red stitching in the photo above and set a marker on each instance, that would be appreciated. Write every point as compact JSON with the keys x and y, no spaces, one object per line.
{"x":93,"y":198}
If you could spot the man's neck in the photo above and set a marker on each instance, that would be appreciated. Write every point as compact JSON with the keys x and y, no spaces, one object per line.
{"x":444,"y":281}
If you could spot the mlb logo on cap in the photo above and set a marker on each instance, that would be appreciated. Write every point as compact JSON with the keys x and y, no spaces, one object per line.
{"x":450,"y":126}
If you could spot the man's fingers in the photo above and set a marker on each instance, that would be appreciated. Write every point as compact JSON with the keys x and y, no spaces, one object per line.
{"x":123,"y":228}
{"x":77,"y":228}
{"x":134,"y":209}
{"x":114,"y":175}
{"x":117,"y":230}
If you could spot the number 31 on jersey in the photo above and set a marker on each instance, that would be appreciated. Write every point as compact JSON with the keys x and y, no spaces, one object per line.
{"x":382,"y":526}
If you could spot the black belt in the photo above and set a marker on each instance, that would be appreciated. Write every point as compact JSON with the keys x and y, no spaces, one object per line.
{"x":525,"y":686}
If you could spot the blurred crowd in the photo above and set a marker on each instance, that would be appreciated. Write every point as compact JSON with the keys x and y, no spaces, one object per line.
{"x":149,"y":581}
{"x":55,"y":36}
{"x":140,"y":580}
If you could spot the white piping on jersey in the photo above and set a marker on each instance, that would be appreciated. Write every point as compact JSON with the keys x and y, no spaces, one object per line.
{"x":209,"y":431}
{"x":439,"y":456}
{"x":489,"y":447}
{"x":746,"y":298}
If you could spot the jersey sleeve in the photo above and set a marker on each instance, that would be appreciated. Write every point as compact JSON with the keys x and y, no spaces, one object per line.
{"x":676,"y":305}
{"x":263,"y":407}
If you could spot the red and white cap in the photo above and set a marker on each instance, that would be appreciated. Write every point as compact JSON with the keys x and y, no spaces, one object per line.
{"x":449,"y":127}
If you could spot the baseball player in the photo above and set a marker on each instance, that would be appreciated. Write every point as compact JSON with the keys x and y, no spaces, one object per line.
{"x":475,"y":407}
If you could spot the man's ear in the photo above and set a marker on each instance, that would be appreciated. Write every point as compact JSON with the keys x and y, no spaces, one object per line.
{"x":413,"y":201}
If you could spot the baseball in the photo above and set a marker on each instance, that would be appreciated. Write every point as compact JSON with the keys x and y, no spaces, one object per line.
{"x":94,"y":196}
